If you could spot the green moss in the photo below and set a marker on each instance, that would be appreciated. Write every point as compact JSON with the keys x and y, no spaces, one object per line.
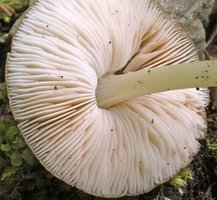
{"x":161,"y":194}
{"x":212,"y":147}
{"x":17,"y":5}
{"x":3,"y":93}
{"x":181,"y":179}
{"x":9,"y":7}
{"x":9,"y":11}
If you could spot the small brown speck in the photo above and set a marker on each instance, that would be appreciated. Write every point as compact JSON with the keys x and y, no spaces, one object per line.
{"x":110,"y":42}
{"x":112,"y":130}
{"x":152,"y":121}
{"x":60,"y":76}
{"x":55,"y":87}
{"x":149,"y":71}
{"x":168,"y":164}
{"x":197,"y":88}
{"x":184,"y":147}
{"x":196,"y":77}
{"x":116,"y":11}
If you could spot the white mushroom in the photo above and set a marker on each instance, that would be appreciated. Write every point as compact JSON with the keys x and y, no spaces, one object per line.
{"x":60,"y":51}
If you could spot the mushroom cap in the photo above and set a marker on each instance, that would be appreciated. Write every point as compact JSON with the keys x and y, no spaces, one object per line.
{"x":59,"y":52}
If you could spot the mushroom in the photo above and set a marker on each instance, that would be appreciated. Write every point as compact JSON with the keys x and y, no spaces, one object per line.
{"x":69,"y":61}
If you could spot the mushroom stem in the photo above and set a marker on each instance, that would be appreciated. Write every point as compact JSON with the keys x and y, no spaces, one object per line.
{"x":113,"y":89}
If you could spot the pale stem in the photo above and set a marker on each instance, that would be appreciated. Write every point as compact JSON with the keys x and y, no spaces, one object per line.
{"x":113,"y":89}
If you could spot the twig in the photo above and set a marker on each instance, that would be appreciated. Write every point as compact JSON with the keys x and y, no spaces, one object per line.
{"x":7,"y":9}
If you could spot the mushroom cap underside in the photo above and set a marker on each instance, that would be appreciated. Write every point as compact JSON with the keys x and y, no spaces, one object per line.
{"x":59,"y":52}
